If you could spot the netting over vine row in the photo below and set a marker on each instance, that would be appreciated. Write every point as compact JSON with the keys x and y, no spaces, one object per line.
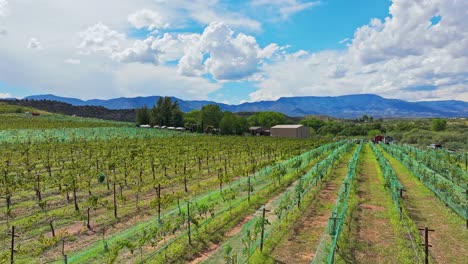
{"x":87,"y":134}
{"x":325,"y":252}
{"x":285,"y":204}
{"x":437,"y":161}
{"x":390,"y":177}
{"x":451,"y":194}
{"x":395,"y":188}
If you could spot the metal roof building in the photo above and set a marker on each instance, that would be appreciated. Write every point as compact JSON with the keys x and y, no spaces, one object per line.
{"x":291,"y":131}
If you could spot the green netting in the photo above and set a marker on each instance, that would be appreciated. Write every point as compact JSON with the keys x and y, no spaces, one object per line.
{"x":284,"y":204}
{"x":451,"y":194}
{"x":174,"y":221}
{"x":325,"y":252}
{"x":70,"y":134}
{"x":441,"y":162}
{"x":395,"y":187}
{"x":390,"y":177}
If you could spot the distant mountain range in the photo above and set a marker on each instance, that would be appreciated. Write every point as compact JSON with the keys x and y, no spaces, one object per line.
{"x":347,"y":106}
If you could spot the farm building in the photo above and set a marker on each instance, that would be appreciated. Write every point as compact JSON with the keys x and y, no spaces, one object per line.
{"x":377,"y":139}
{"x":255,"y":130}
{"x":259,"y":131}
{"x":291,"y":131}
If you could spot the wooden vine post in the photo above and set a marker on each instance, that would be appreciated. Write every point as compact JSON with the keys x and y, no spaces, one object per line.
{"x":13,"y":235}
{"x":188,"y":223}
{"x":65,"y":257}
{"x":426,"y":243}
{"x":248,"y":197}
{"x":262,"y":237}
{"x":159,"y":202}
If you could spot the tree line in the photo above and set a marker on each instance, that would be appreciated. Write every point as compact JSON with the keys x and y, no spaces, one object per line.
{"x":210,"y":119}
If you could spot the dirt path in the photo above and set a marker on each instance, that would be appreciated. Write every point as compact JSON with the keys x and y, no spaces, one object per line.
{"x":450,"y":240}
{"x":299,"y":245}
{"x":372,"y":238}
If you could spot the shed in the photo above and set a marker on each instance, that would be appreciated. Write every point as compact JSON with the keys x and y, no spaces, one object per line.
{"x":291,"y":131}
{"x":377,"y":139}
{"x":256,"y":130}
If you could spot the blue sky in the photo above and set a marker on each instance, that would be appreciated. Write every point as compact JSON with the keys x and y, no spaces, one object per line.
{"x":234,"y":51}
{"x":321,"y":27}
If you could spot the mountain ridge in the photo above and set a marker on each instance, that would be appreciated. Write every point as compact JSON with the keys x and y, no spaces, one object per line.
{"x":345,"y":106}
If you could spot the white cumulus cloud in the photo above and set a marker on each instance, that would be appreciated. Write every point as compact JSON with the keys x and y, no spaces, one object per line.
{"x":403,"y":56}
{"x":147,"y":19}
{"x":140,"y":52}
{"x":229,"y":56}
{"x":100,"y":38}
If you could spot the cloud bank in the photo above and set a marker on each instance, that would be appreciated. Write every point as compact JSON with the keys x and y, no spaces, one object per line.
{"x":192,"y":48}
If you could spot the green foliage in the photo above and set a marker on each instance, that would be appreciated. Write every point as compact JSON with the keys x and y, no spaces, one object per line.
{"x":374,"y":132}
{"x":9,"y":108}
{"x":266,"y":119}
{"x":211,"y":115}
{"x":143,"y":116}
{"x":166,"y":113}
{"x":46,"y":121}
{"x":193,"y":120}
{"x":232,"y":124}
{"x":439,"y":124}
{"x":229,"y":258}
{"x":312,"y":122}
{"x":102,"y":177}
{"x":446,"y":188}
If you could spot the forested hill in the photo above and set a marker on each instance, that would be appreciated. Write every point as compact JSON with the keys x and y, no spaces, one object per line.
{"x":100,"y":112}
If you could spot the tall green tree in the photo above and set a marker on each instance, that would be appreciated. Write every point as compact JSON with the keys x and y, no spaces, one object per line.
{"x":177,"y":116}
{"x":156,"y":112}
{"x":167,"y":113}
{"x":143,"y":116}
{"x":211,"y":115}
{"x":192,"y":120}
{"x":232,"y":124}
